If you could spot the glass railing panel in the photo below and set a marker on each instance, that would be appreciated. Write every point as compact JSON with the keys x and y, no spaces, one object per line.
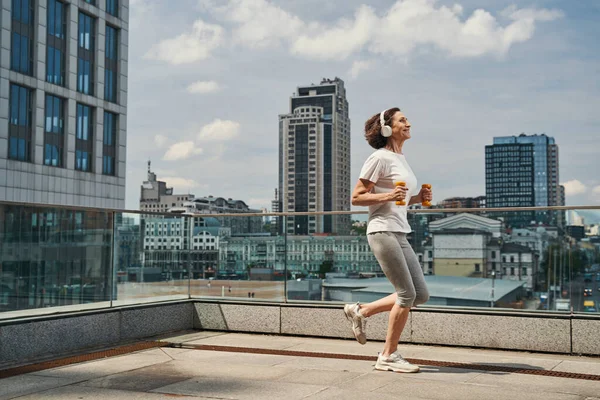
{"x":238,"y":257}
{"x":518,"y":259}
{"x":151,"y":258}
{"x":53,"y":259}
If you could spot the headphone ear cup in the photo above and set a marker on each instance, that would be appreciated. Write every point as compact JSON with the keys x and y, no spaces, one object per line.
{"x":386,"y":131}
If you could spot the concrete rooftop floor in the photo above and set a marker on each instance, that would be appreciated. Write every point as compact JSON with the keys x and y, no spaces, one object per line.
{"x":167,"y":373}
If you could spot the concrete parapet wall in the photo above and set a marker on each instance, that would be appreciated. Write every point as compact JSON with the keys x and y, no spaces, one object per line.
{"x":33,"y":339}
{"x":28,"y":340}
{"x":506,"y":330}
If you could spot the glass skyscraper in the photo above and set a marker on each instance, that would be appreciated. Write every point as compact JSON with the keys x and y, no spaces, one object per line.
{"x":522,"y":171}
{"x":62,"y":142}
{"x":64,"y":83}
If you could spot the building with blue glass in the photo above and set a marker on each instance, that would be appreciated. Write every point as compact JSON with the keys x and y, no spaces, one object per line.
{"x":314,"y":158}
{"x":523,"y":171}
{"x":63,"y":102}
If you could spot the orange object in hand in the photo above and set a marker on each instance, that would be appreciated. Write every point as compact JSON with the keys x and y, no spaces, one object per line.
{"x":400,"y":202}
{"x":426,"y":203}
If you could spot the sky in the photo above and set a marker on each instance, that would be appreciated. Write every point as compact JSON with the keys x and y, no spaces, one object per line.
{"x":209,"y":78}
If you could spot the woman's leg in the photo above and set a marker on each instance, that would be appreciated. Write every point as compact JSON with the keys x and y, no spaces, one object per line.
{"x":388,"y":251}
{"x":416,"y":272}
{"x":379,"y":306}
{"x":396,"y":323}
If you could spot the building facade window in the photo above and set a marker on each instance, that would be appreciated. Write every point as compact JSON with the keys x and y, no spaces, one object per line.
{"x":110,"y":64}
{"x":19,"y":131}
{"x":22,"y":34}
{"x":109,"y":143}
{"x":112,"y":7}
{"x":85,"y":54}
{"x":84,"y":143}
{"x":54,"y":131}
{"x":56,"y":47}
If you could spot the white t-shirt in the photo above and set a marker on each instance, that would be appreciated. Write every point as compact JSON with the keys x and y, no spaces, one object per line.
{"x":384,"y":168}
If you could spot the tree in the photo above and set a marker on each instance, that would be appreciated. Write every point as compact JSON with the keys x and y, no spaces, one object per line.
{"x":249,"y":269}
{"x":325,"y":267}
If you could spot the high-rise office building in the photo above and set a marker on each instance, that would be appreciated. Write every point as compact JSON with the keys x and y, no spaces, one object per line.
{"x":63,"y":102}
{"x":314,"y":158}
{"x":522,"y":171}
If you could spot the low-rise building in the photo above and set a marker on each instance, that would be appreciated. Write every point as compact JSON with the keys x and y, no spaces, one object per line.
{"x":473,"y":246}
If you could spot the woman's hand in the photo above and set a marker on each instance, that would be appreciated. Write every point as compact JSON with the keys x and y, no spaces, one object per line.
{"x":399,"y":193}
{"x":425,"y":195}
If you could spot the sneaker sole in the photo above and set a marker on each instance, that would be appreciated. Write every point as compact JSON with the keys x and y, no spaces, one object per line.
{"x":349,"y":318}
{"x":392,"y":369}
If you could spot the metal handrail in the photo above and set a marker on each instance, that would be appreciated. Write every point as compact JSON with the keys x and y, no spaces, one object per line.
{"x":284,"y":214}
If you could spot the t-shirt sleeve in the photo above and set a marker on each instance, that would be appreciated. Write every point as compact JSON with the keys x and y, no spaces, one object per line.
{"x":373,"y":169}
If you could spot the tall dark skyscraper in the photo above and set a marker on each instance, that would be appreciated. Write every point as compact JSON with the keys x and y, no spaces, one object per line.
{"x":314,"y":158}
{"x":522,"y":171}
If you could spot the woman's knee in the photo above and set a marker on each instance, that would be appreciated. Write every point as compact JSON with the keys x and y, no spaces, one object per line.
{"x":406,"y":298}
{"x":421,"y":297}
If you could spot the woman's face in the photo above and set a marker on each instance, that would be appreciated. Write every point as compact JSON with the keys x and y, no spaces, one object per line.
{"x":400,"y":126}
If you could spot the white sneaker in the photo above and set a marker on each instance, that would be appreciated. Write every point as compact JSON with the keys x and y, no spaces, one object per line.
{"x":394,"y":362}
{"x":359,"y":323}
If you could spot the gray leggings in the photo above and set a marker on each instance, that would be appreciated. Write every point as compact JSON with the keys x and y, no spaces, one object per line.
{"x":401,"y":266}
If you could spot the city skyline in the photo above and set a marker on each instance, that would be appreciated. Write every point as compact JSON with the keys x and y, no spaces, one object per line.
{"x":206,"y":112}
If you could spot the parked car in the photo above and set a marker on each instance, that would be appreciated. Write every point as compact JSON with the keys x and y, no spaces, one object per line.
{"x":589,"y":306}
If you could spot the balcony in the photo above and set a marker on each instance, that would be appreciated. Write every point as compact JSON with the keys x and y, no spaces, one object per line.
{"x":80,"y":281}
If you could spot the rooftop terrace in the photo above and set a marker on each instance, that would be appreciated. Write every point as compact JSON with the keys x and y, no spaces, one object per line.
{"x":217,"y":365}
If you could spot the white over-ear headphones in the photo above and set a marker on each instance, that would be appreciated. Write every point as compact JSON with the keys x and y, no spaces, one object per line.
{"x":386,"y":131}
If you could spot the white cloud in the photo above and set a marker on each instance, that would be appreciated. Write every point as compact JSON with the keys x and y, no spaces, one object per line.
{"x":596,"y":190}
{"x":219,"y":130}
{"x":404,"y":27}
{"x":180,"y":184}
{"x":358,"y":67}
{"x":574,"y":187}
{"x":160,"y":140}
{"x":259,"y":22}
{"x":412,"y":23}
{"x":514,"y":13}
{"x":339,"y":42}
{"x":189,"y":47}
{"x":203,"y":87}
{"x":182,"y":151}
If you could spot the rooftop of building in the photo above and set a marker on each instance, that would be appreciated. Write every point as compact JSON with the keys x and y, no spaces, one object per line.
{"x":450,"y":287}
{"x":515,"y":248}
{"x":211,"y":365}
{"x":461,"y":231}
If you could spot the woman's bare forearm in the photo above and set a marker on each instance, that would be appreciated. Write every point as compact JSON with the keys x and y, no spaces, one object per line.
{"x":414,"y":200}
{"x":369,"y":199}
